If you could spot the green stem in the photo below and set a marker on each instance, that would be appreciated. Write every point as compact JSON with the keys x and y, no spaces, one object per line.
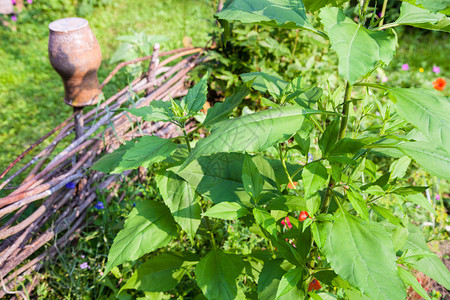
{"x":327,"y":200}
{"x":280,"y":151}
{"x":344,"y":120}
{"x":208,"y":223}
{"x":388,"y":26}
{"x":211,"y":234}
{"x":342,"y":130}
{"x":316,"y":123}
{"x":377,"y":86}
{"x":186,"y":138}
{"x":383,"y":12}
{"x":363,"y":10}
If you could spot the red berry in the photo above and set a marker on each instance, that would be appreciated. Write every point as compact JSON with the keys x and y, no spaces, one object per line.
{"x":303,"y":216}
{"x":314,"y":285}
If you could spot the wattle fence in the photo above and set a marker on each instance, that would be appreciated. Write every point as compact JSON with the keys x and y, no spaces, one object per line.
{"x":22,"y":239}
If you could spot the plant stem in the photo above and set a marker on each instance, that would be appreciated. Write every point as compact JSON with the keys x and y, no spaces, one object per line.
{"x":186,"y":138}
{"x":280,"y":151}
{"x":342,"y":130}
{"x":383,"y":11}
{"x":208,"y":224}
{"x":363,"y":9}
{"x":327,"y":200}
{"x":316,"y":123}
{"x":377,"y":86}
{"x":344,"y":120}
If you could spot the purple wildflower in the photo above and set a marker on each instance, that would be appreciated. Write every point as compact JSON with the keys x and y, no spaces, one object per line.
{"x":436,"y":70}
{"x":14,"y":18}
{"x":30,"y":1}
{"x":13,"y":2}
{"x":438,"y":197}
{"x":384,"y":79}
{"x":405,"y":67}
{"x":134,"y":204}
{"x":84,"y":266}
{"x":99,"y":205}
{"x":70,"y":185}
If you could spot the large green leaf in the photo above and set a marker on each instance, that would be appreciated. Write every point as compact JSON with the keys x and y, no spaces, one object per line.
{"x":329,"y":137}
{"x":110,"y":162}
{"x":288,"y":203}
{"x":196,"y":96}
{"x":432,"y":160}
{"x":264,"y":82}
{"x":265,"y":220}
{"x":182,"y":201}
{"x":358,"y":49}
{"x":221,"y":110}
{"x":289,"y":14}
{"x":217,"y":177}
{"x":227,"y":211}
{"x":358,"y":203}
{"x":269,"y":281}
{"x":254,"y":132}
{"x":160,"y":273}
{"x":434,"y":5}
{"x":132,"y":155}
{"x":314,"y":177}
{"x":251,"y":179}
{"x":362,"y":253}
{"x":418,"y":17}
{"x":332,"y":279}
{"x":149,"y":227}
{"x":313,"y":5}
{"x":289,"y":281}
{"x":425,"y":110}
{"x":157,"y":110}
{"x":430,"y":265}
{"x":411,"y":280}
{"x":217,"y":273}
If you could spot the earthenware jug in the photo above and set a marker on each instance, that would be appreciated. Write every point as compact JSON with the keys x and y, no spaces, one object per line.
{"x":75,"y":54}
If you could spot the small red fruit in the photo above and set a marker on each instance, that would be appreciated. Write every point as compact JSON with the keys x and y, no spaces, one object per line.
{"x":303,"y":216}
{"x":314,"y":285}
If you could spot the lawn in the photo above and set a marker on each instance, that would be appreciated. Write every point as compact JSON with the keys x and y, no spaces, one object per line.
{"x":31,"y":92}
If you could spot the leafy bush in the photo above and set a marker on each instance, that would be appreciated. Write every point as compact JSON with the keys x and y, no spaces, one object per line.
{"x":304,"y":179}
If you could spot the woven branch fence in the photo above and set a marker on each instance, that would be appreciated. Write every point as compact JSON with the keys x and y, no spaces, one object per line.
{"x":21,"y":242}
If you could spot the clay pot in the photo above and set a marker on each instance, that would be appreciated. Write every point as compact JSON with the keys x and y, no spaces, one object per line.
{"x":75,"y":54}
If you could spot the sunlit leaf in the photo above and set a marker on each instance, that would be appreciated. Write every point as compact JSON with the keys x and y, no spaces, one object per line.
{"x":431,"y":265}
{"x":149,"y":227}
{"x":289,"y":14}
{"x":216,"y":275}
{"x":182,"y":201}
{"x":418,"y":17}
{"x":358,"y":49}
{"x":254,"y":132}
{"x":160,"y":273}
{"x":362,"y":253}
{"x":425,"y":110}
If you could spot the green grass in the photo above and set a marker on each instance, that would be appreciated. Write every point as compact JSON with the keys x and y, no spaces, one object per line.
{"x":31,"y":92}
